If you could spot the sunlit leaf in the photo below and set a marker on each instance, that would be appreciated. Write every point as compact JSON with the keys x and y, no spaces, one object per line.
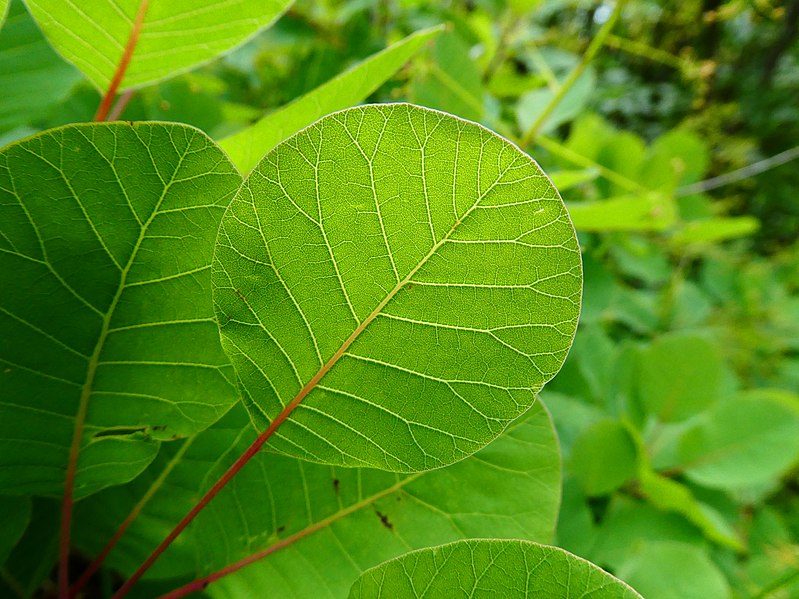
{"x":407,"y":279}
{"x":247,"y":147}
{"x":175,"y":35}
{"x":105,"y":311}
{"x":490,"y":568}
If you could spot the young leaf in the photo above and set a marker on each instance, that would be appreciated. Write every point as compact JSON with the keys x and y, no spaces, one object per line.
{"x":490,"y":568}
{"x":175,"y":36}
{"x":351,"y":87}
{"x":399,"y":283}
{"x":3,"y":11}
{"x":105,"y":244}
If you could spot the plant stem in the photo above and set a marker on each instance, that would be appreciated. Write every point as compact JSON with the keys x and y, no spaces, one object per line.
{"x":740,"y":174}
{"x":596,"y":44}
{"x":122,"y":67}
{"x":120,"y":106}
{"x":134,"y":513}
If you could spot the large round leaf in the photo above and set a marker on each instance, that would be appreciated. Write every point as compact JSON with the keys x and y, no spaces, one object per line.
{"x":488,"y":568}
{"x":106,"y":236}
{"x":406,"y":281}
{"x":176,"y":35}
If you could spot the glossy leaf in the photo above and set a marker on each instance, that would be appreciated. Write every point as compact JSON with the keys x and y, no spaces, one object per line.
{"x":744,"y":442}
{"x":353,"y":86}
{"x":105,"y":244}
{"x":407,"y":279}
{"x":34,"y":79}
{"x":175,"y":36}
{"x":490,"y":568}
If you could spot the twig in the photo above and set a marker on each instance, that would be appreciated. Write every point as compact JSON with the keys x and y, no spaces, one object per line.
{"x":134,"y":513}
{"x":740,"y":174}
{"x":120,"y":106}
{"x":122,"y":67}
{"x":599,"y":40}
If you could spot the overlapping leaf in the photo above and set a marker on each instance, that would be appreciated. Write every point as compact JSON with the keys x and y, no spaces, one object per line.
{"x":406,"y":280}
{"x":342,"y":520}
{"x":353,"y":86}
{"x":490,"y":568}
{"x":175,"y":35}
{"x":105,"y":312}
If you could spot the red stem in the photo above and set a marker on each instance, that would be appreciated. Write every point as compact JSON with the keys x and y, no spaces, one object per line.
{"x":122,"y":67}
{"x":120,"y":106}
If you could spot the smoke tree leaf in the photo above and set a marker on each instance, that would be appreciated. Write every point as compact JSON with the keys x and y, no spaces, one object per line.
{"x":247,"y":147}
{"x":407,"y":281}
{"x":106,"y":236}
{"x":490,"y":568}
{"x":175,"y":36}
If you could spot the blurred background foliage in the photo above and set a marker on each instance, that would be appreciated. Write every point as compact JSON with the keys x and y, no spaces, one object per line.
{"x":677,"y":409}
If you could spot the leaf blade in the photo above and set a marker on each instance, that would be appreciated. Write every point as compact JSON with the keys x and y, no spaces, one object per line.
{"x":381,"y":241}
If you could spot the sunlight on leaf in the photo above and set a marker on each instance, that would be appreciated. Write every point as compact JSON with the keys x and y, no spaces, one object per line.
{"x":350,"y":87}
{"x":406,"y":280}
{"x":175,"y":37}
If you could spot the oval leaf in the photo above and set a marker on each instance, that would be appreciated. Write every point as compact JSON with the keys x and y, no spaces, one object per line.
{"x":490,"y":568}
{"x":106,"y":236}
{"x":175,"y":36}
{"x":401,"y":282}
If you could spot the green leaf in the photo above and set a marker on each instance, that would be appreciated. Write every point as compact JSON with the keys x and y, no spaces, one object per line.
{"x":750,"y":440}
{"x":247,"y":147}
{"x":34,"y":79}
{"x":3,"y":11}
{"x":106,"y":236}
{"x":714,"y":230}
{"x":679,"y":376}
{"x":489,"y":568}
{"x":566,"y":179}
{"x":532,"y":104}
{"x":671,"y":496}
{"x":404,"y":280}
{"x":175,"y":36}
{"x":673,"y":570}
{"x":357,"y":517}
{"x":16,"y":516}
{"x":604,"y":457}
{"x":449,"y":80}
{"x":649,"y":212}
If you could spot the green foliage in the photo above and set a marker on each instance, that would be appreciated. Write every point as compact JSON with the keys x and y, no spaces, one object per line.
{"x":489,"y":568}
{"x":393,"y":287}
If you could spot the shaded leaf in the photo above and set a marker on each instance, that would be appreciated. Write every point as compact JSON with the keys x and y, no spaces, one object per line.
{"x":34,"y":79}
{"x":489,"y":568}
{"x":105,"y":244}
{"x":674,"y":570}
{"x":358,"y":518}
{"x":175,"y":36}
{"x":604,"y":457}
{"x":679,"y":376}
{"x":16,"y":516}
{"x":247,"y":147}
{"x":750,"y":440}
{"x":408,"y":281}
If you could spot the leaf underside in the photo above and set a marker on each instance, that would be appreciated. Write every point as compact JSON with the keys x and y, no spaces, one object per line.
{"x":176,"y":35}
{"x":490,"y":568}
{"x":106,"y":237}
{"x":409,"y":278}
